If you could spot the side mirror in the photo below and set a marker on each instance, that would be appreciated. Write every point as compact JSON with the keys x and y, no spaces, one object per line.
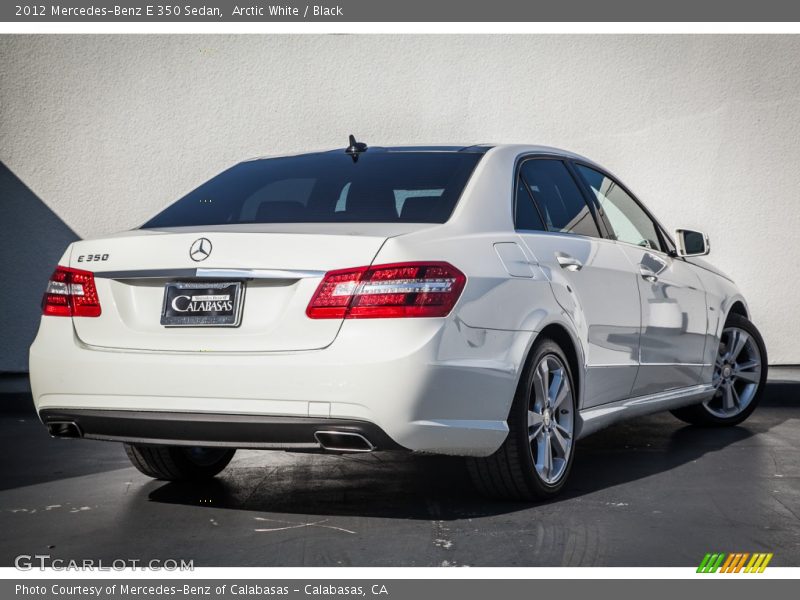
{"x":692,"y":243}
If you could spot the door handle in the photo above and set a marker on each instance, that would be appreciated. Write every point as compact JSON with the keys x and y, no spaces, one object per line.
{"x":648,"y":273}
{"x":650,"y":267}
{"x":570,"y":263}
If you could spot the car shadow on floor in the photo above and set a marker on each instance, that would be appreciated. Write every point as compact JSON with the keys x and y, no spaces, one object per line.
{"x":32,"y":457}
{"x":403,"y":486}
{"x":353,"y":484}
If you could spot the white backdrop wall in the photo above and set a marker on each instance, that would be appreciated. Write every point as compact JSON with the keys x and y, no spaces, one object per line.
{"x":107,"y":130}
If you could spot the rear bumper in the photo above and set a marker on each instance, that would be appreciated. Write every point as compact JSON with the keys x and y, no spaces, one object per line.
{"x":215,"y":430}
{"x":429,"y":385}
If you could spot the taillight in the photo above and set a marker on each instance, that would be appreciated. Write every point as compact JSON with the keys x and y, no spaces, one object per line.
{"x":429,"y":289}
{"x":71,"y":293}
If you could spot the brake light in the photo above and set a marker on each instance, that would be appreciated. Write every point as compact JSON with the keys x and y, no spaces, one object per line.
{"x":416,"y":289}
{"x":71,"y":293}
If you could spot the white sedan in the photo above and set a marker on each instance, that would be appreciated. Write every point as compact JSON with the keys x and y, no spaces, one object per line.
{"x":493,"y":302}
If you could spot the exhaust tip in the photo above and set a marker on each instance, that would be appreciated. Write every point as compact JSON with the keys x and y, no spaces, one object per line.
{"x":343,"y":441}
{"x":64,"y":429}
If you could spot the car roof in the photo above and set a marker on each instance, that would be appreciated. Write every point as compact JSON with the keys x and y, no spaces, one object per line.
{"x":473,"y":148}
{"x":480,"y":149}
{"x":465,"y":148}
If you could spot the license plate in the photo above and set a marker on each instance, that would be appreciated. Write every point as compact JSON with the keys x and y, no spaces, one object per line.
{"x":199,"y":304}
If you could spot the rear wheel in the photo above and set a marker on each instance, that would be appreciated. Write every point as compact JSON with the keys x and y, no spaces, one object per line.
{"x":740,"y":374}
{"x":178,"y":463}
{"x":535,"y":460}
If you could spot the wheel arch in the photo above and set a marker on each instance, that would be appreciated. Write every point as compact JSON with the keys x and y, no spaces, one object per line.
{"x":568,"y":341}
{"x":738,"y":308}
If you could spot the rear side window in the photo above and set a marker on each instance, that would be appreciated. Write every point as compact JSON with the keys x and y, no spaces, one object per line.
{"x":558,"y":198}
{"x":380,"y":187}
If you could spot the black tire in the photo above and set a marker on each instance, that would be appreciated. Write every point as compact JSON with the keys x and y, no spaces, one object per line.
{"x":178,"y":463}
{"x":700,"y":414}
{"x":510,"y":473}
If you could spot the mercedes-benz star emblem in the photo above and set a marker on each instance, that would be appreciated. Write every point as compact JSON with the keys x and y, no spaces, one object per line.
{"x":200,"y":249}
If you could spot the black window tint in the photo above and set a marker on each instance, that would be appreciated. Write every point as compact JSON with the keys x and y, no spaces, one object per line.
{"x":630,"y":223}
{"x":558,"y":197}
{"x":526,"y":217}
{"x":276,"y":199}
{"x":380,"y":187}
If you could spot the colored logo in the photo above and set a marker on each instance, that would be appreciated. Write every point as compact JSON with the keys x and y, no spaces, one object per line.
{"x":737,"y":562}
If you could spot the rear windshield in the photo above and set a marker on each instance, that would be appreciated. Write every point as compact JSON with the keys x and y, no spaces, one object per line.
{"x":380,"y":187}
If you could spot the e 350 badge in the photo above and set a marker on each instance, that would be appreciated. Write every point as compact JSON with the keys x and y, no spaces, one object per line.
{"x":92,"y":257}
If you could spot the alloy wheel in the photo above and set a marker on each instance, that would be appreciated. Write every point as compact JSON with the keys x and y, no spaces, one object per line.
{"x":737,"y":373}
{"x":550,"y":419}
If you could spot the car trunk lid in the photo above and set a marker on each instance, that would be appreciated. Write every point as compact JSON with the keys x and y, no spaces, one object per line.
{"x":277,"y":267}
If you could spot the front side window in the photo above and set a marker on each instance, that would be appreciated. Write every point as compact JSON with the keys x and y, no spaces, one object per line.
{"x":630,"y":223}
{"x":560,"y":202}
{"x":328,"y":187}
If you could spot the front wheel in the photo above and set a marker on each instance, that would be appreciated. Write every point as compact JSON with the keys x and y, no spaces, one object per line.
{"x":178,"y":463}
{"x":535,"y":460}
{"x":740,"y":374}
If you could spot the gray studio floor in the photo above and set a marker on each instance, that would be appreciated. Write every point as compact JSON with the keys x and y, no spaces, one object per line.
{"x":651,"y":492}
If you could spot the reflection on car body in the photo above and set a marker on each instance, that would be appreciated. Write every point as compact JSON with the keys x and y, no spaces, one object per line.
{"x":494,"y":302}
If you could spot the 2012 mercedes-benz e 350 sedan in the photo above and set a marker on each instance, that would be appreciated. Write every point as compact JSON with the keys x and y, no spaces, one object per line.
{"x":493,"y":302}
